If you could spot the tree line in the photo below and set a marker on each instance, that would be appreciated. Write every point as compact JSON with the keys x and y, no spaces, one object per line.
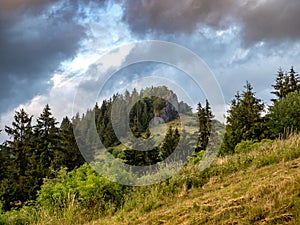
{"x":39,"y":149}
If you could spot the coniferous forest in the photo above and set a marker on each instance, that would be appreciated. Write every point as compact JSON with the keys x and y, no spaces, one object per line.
{"x":42,"y":166}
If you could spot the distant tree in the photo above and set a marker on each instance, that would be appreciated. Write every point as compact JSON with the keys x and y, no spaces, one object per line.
{"x":141,"y":154}
{"x":205,"y":117}
{"x":244,"y":120}
{"x":73,"y":157}
{"x":294,"y":82}
{"x":169,"y":143}
{"x":285,"y":83}
{"x":104,"y":124}
{"x":280,"y":86}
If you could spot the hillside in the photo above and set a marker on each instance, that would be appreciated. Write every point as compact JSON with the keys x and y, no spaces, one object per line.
{"x":254,"y":181}
{"x":268,"y":195}
{"x":257,"y":193}
{"x":259,"y":184}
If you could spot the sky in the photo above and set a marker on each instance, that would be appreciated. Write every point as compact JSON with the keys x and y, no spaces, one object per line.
{"x":49,"y":49}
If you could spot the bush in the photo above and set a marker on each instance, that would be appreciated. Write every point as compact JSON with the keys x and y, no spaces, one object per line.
{"x":83,"y":186}
{"x":248,"y":146}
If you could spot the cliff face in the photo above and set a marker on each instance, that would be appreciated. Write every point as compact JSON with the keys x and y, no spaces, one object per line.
{"x":169,"y":111}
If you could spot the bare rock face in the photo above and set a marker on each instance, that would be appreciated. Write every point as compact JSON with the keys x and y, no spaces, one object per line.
{"x":170,"y":109}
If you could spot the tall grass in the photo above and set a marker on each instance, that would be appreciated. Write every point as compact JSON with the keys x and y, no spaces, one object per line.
{"x":140,"y":201}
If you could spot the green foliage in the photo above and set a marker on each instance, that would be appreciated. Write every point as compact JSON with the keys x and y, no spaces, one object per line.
{"x":284,"y":115}
{"x":244,"y":120}
{"x":64,"y":205}
{"x":72,"y":155}
{"x":141,"y":154}
{"x":205,"y":117}
{"x":16,"y":181}
{"x":48,"y":155}
{"x":169,"y":143}
{"x":285,"y":84}
{"x":103,"y":123}
{"x":90,"y":190}
{"x":250,"y":145}
{"x":31,"y":160}
{"x":33,"y":153}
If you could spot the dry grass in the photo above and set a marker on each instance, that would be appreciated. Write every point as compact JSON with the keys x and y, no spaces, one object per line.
{"x":269,"y":195}
{"x":261,"y":186}
{"x":265,"y":191}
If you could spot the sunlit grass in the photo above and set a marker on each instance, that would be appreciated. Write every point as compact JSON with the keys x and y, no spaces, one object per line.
{"x":257,"y":185}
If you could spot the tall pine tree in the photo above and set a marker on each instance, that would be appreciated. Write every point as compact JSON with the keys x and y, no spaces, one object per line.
{"x":49,"y":156}
{"x":285,"y":84}
{"x":17,"y":185}
{"x":205,"y":117}
{"x":73,"y":157}
{"x":244,"y":120}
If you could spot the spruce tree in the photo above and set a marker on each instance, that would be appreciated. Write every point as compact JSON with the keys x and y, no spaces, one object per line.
{"x":293,"y":81}
{"x":17,"y":185}
{"x":205,"y":117}
{"x":170,"y":143}
{"x":244,"y":120}
{"x":285,"y":84}
{"x":49,"y":155}
{"x":73,"y":157}
{"x":141,"y":154}
{"x":279,"y":86}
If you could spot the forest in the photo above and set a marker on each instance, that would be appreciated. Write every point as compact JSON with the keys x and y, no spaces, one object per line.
{"x":42,"y":166}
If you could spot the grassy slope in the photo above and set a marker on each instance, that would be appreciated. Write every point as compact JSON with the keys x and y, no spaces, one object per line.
{"x":258,"y":185}
{"x":265,"y":189}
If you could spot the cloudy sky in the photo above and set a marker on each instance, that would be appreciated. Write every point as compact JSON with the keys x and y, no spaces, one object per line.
{"x":47,"y":46}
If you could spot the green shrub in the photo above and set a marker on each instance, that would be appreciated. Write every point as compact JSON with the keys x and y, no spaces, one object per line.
{"x":249,"y":145}
{"x":89,"y":190}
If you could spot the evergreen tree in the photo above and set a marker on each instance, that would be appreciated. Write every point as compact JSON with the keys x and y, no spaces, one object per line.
{"x":284,"y":116}
{"x":104,"y":125}
{"x":285,"y":84}
{"x":169,"y":143}
{"x":205,"y":117}
{"x":73,"y":157}
{"x":280,"y":85}
{"x":293,"y":81}
{"x":141,"y":154}
{"x":49,"y":156}
{"x":17,"y":184}
{"x":244,"y":120}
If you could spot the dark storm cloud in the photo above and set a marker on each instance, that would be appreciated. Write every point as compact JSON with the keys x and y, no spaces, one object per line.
{"x":176,"y":15}
{"x":260,"y":20}
{"x":272,"y":20}
{"x":34,"y":39}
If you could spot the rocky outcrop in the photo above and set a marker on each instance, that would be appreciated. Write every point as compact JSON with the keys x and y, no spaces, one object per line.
{"x":169,"y":111}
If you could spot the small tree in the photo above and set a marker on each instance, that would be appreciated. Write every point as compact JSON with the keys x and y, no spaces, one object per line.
{"x":284,"y":116}
{"x":205,"y":117}
{"x":169,"y":143}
